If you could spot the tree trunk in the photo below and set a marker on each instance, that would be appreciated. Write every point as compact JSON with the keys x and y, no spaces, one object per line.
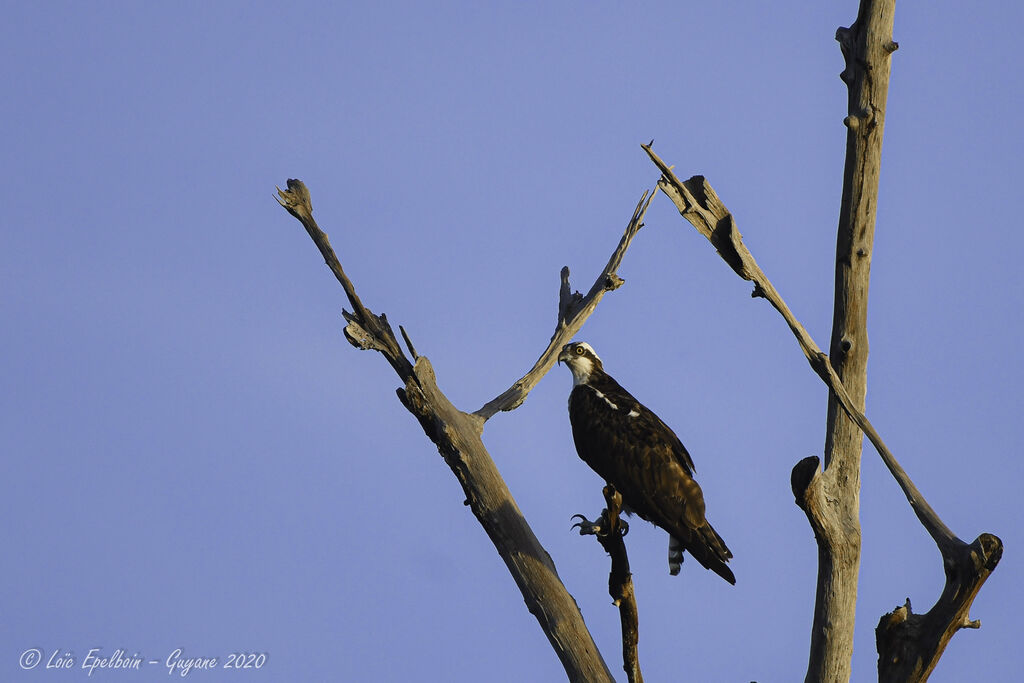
{"x":867,"y":46}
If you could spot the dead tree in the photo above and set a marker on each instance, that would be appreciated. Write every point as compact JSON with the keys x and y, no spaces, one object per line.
{"x":457,"y":435}
{"x":909,"y":644}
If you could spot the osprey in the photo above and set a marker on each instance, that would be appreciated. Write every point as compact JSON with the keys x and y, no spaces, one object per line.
{"x":642,"y":458}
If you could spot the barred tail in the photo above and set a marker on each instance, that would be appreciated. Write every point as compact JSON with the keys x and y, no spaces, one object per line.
{"x":709,"y":549}
{"x":675,"y":555}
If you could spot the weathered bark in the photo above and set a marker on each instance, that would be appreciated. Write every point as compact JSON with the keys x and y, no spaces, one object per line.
{"x":838,"y":537}
{"x":457,"y":436}
{"x":867,"y":46}
{"x":909,"y":645}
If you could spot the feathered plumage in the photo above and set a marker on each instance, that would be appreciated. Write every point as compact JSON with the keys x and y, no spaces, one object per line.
{"x":637,"y":453}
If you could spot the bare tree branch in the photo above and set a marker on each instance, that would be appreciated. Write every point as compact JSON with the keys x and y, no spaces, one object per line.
{"x":910,"y":645}
{"x":365,"y":330}
{"x":457,"y":437}
{"x":700,"y":205}
{"x":609,"y":530}
{"x":573,"y":311}
{"x":838,"y":535}
{"x":967,"y":566}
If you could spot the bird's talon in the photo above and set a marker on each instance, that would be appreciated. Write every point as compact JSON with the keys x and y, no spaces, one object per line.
{"x":586,"y":527}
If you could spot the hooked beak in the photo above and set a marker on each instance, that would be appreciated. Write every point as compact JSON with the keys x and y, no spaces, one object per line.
{"x":564,"y":355}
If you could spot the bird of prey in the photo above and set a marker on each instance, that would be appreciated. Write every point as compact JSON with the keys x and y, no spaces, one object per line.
{"x":637,"y":454}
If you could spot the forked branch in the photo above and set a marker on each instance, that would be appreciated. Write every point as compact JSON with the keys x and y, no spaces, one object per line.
{"x":573,"y":311}
{"x":910,"y":645}
{"x":457,"y":437}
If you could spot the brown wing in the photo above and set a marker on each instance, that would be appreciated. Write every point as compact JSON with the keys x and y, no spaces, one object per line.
{"x":654,"y":422}
{"x":637,"y":453}
{"x":647,"y":420}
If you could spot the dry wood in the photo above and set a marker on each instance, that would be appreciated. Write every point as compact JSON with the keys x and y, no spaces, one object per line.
{"x":866,"y":49}
{"x":610,"y":530}
{"x":573,"y":311}
{"x":838,"y":536}
{"x":909,"y":645}
{"x":457,"y":436}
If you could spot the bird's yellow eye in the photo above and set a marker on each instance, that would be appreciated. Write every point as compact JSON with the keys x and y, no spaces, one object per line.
{"x":579,"y":350}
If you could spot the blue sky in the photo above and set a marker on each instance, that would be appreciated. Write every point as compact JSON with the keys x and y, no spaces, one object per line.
{"x":193,"y":457}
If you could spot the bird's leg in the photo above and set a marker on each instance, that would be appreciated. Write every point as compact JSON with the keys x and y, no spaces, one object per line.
{"x":609,"y":522}
{"x":612,"y":513}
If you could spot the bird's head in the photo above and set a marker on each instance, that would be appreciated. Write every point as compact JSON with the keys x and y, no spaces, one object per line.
{"x":581,"y":359}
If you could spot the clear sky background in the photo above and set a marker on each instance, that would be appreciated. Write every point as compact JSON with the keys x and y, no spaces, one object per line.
{"x":193,"y":457}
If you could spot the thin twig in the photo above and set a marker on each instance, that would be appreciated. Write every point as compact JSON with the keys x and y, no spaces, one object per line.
{"x":408,"y":342}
